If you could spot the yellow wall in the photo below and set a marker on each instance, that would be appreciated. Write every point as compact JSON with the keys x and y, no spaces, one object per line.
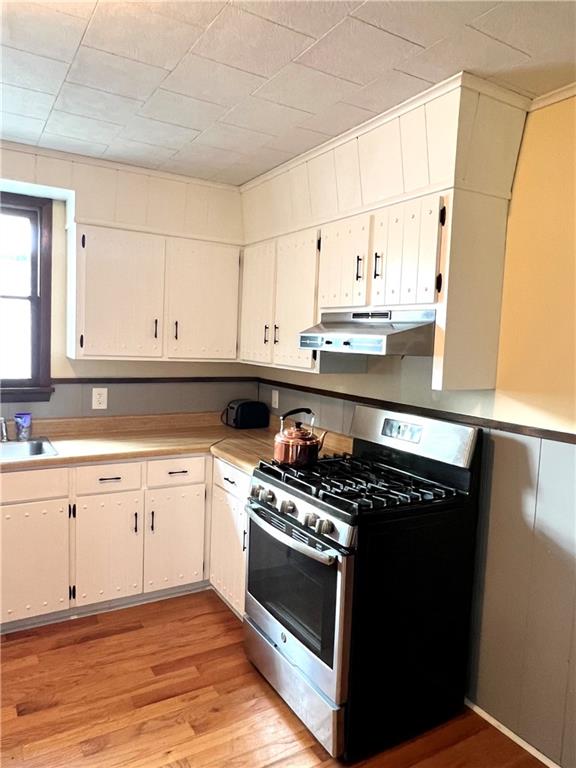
{"x":537,"y":354}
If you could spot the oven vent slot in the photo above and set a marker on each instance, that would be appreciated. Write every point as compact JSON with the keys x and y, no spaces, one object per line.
{"x":299,"y":536}
{"x":277,"y":524}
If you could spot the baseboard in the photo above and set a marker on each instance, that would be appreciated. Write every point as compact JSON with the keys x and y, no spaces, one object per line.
{"x":511,"y":735}
{"x":104,"y":607}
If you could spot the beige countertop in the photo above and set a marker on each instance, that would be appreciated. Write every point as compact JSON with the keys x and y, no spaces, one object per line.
{"x":83,"y":441}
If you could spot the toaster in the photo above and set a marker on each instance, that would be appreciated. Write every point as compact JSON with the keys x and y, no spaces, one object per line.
{"x":246,"y":414}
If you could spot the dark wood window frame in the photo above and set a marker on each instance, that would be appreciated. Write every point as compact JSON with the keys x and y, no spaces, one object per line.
{"x":39,"y":386}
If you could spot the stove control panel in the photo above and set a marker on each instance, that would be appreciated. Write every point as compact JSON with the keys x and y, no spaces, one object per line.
{"x":306,"y":513}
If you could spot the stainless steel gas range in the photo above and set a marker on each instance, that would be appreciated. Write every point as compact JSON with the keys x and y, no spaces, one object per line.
{"x":359,"y":576}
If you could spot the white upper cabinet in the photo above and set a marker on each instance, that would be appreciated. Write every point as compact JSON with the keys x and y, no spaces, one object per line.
{"x":381,"y":162}
{"x":322,"y":180}
{"x":201,"y":299}
{"x":296,"y":265}
{"x":344,"y":262}
{"x":394,"y":254}
{"x":121,"y":293}
{"x":410,"y":246}
{"x":379,"y":256}
{"x":429,"y":246}
{"x":257,"y":319}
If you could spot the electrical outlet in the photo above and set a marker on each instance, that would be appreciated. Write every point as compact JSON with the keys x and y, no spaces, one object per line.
{"x":99,"y":398}
{"x":274,"y":398}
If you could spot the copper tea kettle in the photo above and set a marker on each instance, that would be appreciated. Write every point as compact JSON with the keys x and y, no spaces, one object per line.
{"x":297,"y":445}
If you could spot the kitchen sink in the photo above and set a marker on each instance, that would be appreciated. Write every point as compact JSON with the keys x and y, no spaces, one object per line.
{"x":27,"y":449}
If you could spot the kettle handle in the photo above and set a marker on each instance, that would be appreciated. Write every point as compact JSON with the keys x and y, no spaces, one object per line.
{"x":294,"y":411}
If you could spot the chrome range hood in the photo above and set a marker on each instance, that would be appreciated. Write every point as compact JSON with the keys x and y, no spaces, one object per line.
{"x":373,"y":332}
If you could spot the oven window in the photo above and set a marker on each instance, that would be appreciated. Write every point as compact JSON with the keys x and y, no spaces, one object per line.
{"x":297,"y":590}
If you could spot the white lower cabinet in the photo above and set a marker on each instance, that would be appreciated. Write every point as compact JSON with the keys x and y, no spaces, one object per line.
{"x":35,"y":567}
{"x":173,"y":537}
{"x":109,"y":546}
{"x":228,"y":547}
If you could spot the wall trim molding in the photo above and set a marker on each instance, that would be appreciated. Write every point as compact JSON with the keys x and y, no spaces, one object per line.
{"x":547,"y":99}
{"x":511,"y":735}
{"x":434,"y":413}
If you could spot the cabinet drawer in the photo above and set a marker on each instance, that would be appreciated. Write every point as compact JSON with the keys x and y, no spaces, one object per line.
{"x":177,"y":471}
{"x":34,"y":484}
{"x":231,"y":479}
{"x":108,"y":478}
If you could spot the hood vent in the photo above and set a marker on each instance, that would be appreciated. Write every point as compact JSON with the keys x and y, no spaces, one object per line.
{"x":389,"y":332}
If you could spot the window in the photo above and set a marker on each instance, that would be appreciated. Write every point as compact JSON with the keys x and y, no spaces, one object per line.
{"x":25,"y":285}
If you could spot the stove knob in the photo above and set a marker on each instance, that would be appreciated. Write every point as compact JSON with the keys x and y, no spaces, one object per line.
{"x":310,"y":520}
{"x":255,"y":491}
{"x":267,"y":497}
{"x":324,"y":526}
{"x":289,"y":508}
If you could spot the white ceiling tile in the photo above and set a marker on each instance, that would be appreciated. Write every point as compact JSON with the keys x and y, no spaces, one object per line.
{"x":29,"y":71}
{"x":250,"y":43}
{"x":265,"y":116}
{"x":41,"y":30}
{"x":233,"y":138}
{"x":465,"y":50}
{"x":98,"y":69}
{"x":533,"y":27}
{"x":136,"y":153}
{"x":337,"y":119}
{"x":534,"y":79}
{"x":310,"y":18}
{"x":211,"y":81}
{"x":297,"y":140}
{"x":200,"y":13}
{"x":83,"y":128}
{"x":305,"y":88}
{"x":181,"y":110}
{"x":357,"y":51}
{"x":158,"y":133}
{"x":421,"y":21}
{"x":81,"y":100}
{"x":66,"y":144}
{"x":200,"y":161}
{"x":20,"y":128}
{"x":83,"y":9}
{"x":252,"y":166}
{"x":388,"y":91}
{"x":22,"y":101}
{"x":132,"y":31}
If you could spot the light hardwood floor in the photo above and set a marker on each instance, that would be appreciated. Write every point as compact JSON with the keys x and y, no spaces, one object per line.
{"x":167,"y":685}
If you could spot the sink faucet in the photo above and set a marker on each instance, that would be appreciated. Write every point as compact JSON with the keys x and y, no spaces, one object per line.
{"x":3,"y":432}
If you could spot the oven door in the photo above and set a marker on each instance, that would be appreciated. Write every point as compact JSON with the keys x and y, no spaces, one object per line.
{"x":298,"y":594}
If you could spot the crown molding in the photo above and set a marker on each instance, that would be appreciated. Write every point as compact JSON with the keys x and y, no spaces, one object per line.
{"x":32,"y":149}
{"x":460,"y":80}
{"x":547,"y":99}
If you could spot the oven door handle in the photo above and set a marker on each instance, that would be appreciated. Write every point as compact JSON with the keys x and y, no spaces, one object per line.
{"x":328,"y":557}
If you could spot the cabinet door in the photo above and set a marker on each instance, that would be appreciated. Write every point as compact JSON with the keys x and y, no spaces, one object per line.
{"x":109,"y":546}
{"x":410,"y":248}
{"x":173,"y":537}
{"x":379,"y":255}
{"x":394,"y":255}
{"x":355,"y":261}
{"x":330,"y":276}
{"x":258,"y":272}
{"x":202,"y":299}
{"x":296,"y":264}
{"x":122,"y":292}
{"x":428,"y":252}
{"x":227,"y":553}
{"x":35,"y":569}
